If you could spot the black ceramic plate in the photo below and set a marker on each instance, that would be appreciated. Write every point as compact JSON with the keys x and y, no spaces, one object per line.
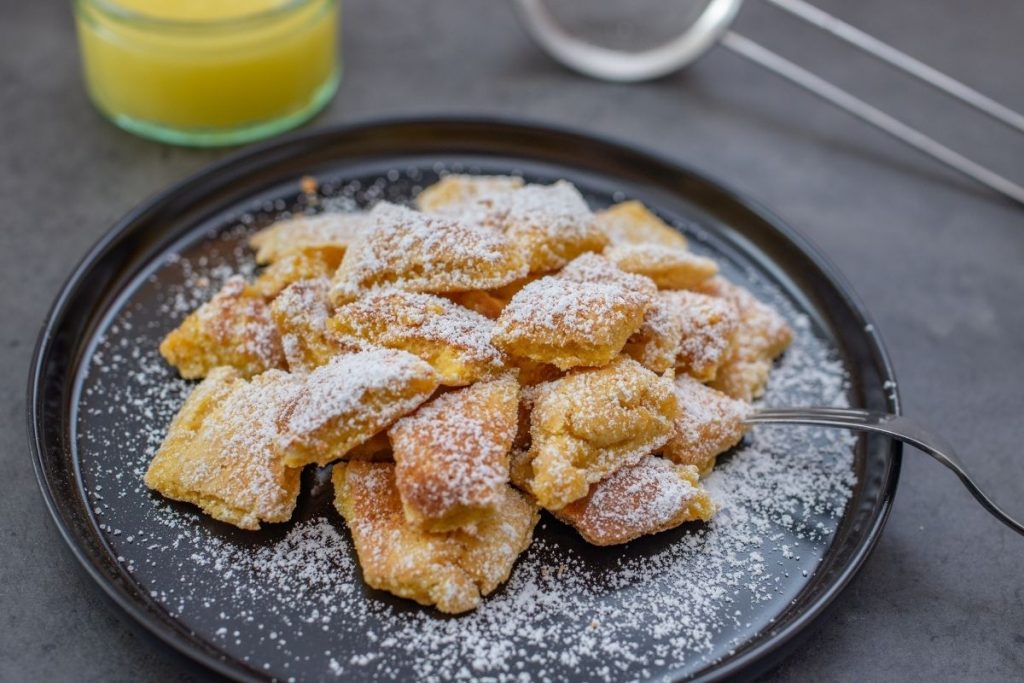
{"x":802,"y":509}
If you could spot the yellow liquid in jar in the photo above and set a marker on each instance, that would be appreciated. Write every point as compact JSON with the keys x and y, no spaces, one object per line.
{"x":209,"y":71}
{"x":198,"y":10}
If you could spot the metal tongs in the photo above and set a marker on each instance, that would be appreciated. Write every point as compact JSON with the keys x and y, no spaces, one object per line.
{"x":712,"y":27}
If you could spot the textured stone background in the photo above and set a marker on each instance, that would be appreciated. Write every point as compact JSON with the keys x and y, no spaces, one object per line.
{"x":938,"y":261}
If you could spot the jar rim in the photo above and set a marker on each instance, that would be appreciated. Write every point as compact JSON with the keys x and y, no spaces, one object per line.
{"x":112,"y":10}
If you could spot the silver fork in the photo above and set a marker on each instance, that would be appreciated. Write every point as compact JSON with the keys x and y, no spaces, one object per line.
{"x":895,"y":426}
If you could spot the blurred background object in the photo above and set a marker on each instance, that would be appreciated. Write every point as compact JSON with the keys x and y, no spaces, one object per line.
{"x":208,"y":72}
{"x":708,"y":24}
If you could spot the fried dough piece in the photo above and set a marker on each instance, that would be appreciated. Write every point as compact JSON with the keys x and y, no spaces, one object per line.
{"x":669,"y":267}
{"x":454,"y":340}
{"x":633,"y":223}
{"x":762,"y":335}
{"x":656,"y":344}
{"x":506,"y":292}
{"x":451,"y":455}
{"x":301,"y":313}
{"x":531,"y":372}
{"x":648,"y":497}
{"x":590,"y":423}
{"x":376,"y":449}
{"x":597,"y":269}
{"x":349,"y":399}
{"x":687,"y":330}
{"x":552,"y":224}
{"x":454,"y":192}
{"x":221,"y":451}
{"x":233,"y":328}
{"x":569,"y":319}
{"x":482,"y":302}
{"x":302,"y":264}
{"x":709,"y":423}
{"x":520,"y":464}
{"x":422,"y":252}
{"x":708,"y":328}
{"x":450,"y":570}
{"x":490,"y":303}
{"x":327,"y":233}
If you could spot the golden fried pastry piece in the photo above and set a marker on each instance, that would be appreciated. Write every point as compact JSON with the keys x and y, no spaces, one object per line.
{"x":482,"y":302}
{"x":569,"y":319}
{"x":376,"y":449}
{"x":301,"y":313}
{"x":709,"y":328}
{"x":762,"y":334}
{"x":421,"y":252}
{"x":349,"y":399}
{"x":552,"y":224}
{"x":692,"y":332}
{"x":451,"y":455}
{"x":454,"y":192}
{"x":647,"y":497}
{"x":633,"y":223}
{"x":303,"y":264}
{"x":656,"y":344}
{"x":669,"y":267}
{"x":598,"y":269}
{"x":590,"y":423}
{"x":709,"y":423}
{"x":490,"y":303}
{"x":531,"y":372}
{"x":506,"y":292}
{"x":233,"y":328}
{"x":454,"y":340}
{"x":221,"y":451}
{"x":520,"y":464}
{"x":326,"y":233}
{"x":451,"y":570}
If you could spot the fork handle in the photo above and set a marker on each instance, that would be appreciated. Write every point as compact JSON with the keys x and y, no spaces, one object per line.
{"x":894,"y":426}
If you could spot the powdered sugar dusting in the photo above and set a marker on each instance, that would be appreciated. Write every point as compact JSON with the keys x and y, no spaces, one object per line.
{"x":580,"y":310}
{"x":426,"y":252}
{"x":244,"y":320}
{"x":302,"y":232}
{"x":290,"y":602}
{"x":304,"y":306}
{"x":453,"y":451}
{"x":557,"y":209}
{"x":393,"y":317}
{"x":343,"y":384}
{"x":642,"y":498}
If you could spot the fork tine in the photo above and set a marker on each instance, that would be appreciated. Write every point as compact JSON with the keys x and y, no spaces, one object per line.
{"x":822,"y":411}
{"x":831,"y":417}
{"x":805,"y":419}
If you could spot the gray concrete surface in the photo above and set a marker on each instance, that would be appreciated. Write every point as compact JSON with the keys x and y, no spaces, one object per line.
{"x":938,"y":261}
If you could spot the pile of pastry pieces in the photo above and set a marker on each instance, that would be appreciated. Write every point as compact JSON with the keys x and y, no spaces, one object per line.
{"x":498,"y":349}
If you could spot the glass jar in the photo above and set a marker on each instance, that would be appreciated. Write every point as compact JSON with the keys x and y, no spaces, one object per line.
{"x":209,"y":72}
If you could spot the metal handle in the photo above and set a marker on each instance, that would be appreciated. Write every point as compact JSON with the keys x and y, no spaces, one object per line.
{"x":895,"y":426}
{"x":712,"y":27}
{"x":617,"y":65}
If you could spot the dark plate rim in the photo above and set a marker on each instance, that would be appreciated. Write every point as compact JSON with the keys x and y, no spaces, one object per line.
{"x":772,"y":648}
